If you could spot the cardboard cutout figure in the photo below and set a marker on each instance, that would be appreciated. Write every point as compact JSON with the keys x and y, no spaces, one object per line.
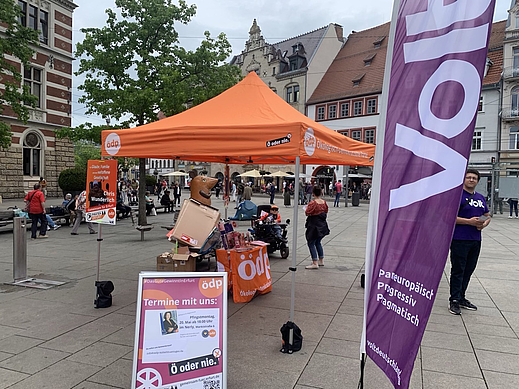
{"x":201,"y":187}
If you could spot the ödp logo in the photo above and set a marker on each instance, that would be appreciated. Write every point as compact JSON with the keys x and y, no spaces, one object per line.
{"x":112,"y":143}
{"x":309,"y":142}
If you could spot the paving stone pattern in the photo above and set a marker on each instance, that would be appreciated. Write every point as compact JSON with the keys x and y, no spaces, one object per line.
{"x":56,"y":339}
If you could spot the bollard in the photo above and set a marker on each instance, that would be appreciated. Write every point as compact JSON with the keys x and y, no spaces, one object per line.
{"x":19,"y":249}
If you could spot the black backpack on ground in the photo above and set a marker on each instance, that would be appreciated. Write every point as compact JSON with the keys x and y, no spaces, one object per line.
{"x":103,"y":294}
{"x":285,"y":337}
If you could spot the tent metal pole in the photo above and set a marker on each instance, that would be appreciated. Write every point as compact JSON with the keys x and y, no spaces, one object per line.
{"x":226,"y":189}
{"x":294,"y":242}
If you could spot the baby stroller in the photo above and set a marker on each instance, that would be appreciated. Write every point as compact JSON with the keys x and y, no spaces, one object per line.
{"x":264,"y":230}
{"x":133,"y":198}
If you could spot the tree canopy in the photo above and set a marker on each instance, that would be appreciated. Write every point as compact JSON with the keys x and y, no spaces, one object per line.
{"x":15,"y":41}
{"x":135,"y":67}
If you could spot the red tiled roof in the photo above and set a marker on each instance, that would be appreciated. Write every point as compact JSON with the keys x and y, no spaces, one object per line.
{"x":337,"y":83}
{"x":495,"y":53}
{"x":349,"y":64}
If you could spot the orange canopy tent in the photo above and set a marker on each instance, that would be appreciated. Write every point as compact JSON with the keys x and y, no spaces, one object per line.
{"x":246,"y":123}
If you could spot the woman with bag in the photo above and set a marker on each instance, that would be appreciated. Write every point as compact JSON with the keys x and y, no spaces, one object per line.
{"x":316,"y":227}
{"x":35,"y":206}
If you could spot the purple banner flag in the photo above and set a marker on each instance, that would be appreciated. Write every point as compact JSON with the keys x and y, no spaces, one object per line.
{"x":436,"y":58}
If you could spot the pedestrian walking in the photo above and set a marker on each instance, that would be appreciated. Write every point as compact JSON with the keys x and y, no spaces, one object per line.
{"x":43,"y":186}
{"x":286,"y":196}
{"x":35,"y":205}
{"x":338,"y":192}
{"x":272,"y":192}
{"x":513,"y":206}
{"x":247,"y":192}
{"x":316,"y":227}
{"x":473,"y":216}
{"x":177,"y":192}
{"x":80,"y":213}
{"x":308,"y":192}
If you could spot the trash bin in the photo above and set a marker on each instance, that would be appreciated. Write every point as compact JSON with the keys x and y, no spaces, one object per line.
{"x":355,"y":199}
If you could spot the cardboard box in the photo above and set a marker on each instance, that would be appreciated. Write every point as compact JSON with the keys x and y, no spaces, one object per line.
{"x":183,"y":260}
{"x":195,"y":222}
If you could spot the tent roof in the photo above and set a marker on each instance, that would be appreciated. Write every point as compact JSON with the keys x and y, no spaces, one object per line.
{"x":246,"y":123}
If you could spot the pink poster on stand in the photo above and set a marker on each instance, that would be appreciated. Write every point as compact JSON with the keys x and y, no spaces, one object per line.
{"x":181,"y":331}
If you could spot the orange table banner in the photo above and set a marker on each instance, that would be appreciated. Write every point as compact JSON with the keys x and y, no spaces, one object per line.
{"x":250,"y":273}
{"x":101,"y":191}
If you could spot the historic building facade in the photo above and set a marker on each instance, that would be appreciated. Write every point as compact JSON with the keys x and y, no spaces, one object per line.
{"x":35,"y":151}
{"x":510,"y":104}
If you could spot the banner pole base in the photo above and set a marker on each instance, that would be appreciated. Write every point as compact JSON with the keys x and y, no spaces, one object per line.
{"x":362,"y":366}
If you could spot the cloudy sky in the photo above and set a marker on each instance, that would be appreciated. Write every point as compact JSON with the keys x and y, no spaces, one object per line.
{"x":277,"y":20}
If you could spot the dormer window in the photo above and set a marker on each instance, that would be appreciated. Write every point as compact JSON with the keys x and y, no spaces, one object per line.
{"x":378,"y":42}
{"x":369,"y":59}
{"x":356,"y":81}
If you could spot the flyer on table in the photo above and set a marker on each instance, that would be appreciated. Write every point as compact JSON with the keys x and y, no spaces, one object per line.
{"x":180,"y":334}
{"x":101,"y":191}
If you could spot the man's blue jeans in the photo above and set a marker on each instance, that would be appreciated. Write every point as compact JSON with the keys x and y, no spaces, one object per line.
{"x":316,"y":249}
{"x":337,"y":199}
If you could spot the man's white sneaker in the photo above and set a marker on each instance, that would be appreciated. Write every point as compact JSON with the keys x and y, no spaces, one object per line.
{"x":56,"y":227}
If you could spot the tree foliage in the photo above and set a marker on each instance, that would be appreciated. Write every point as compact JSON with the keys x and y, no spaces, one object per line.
{"x":135,"y":67}
{"x":15,"y":41}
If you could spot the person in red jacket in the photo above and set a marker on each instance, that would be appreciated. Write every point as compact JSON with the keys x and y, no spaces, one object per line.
{"x":35,"y":201}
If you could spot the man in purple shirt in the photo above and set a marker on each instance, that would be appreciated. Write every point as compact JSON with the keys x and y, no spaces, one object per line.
{"x":473,"y":216}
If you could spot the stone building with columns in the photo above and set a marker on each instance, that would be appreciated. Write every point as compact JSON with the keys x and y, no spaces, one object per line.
{"x":35,"y":151}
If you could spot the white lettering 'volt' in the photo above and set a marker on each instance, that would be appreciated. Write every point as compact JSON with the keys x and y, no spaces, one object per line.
{"x":453,"y":162}
{"x":467,"y":76}
{"x":464,"y":40}
{"x":438,"y":15}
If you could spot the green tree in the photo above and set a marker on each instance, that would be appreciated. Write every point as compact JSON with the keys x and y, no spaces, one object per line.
{"x":16,"y":41}
{"x":135,"y":67}
{"x":83,"y":151}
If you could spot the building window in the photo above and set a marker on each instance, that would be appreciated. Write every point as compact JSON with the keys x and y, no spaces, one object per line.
{"x":32,"y":79}
{"x":320,"y":113}
{"x":293,"y":64}
{"x":289,"y":94}
{"x":515,"y":52}
{"x":476,"y":139}
{"x":296,"y":93}
{"x":44,"y":27}
{"x":357,"y":108}
{"x":372,"y":106}
{"x":345,"y":132}
{"x":22,"y":19}
{"x":356,"y":134}
{"x":369,"y":136}
{"x":32,"y":146}
{"x":514,"y":138}
{"x":480,"y":105}
{"x":274,"y":71}
{"x":345,"y":110}
{"x":515,"y":102}
{"x":332,"y":111}
{"x":517,"y":21}
{"x":36,"y":19}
